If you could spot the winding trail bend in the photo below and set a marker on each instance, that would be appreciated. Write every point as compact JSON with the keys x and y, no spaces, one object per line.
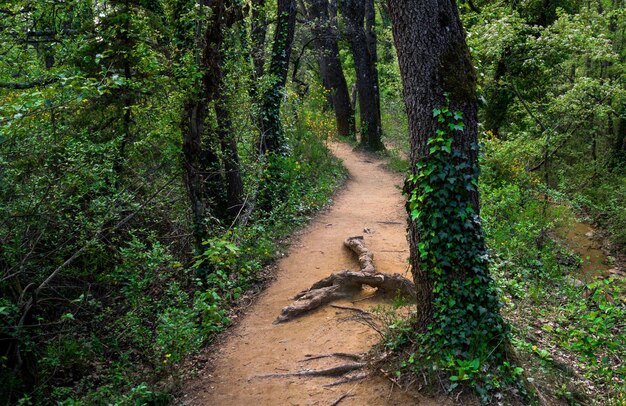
{"x":370,"y":204}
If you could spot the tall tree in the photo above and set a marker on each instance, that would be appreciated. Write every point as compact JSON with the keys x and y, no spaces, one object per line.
{"x":206,"y":176}
{"x":354,"y":12}
{"x":258,"y":32}
{"x":324,"y":19}
{"x":272,"y":137}
{"x":458,"y":310}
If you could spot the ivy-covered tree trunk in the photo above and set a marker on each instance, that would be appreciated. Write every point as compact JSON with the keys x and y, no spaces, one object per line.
{"x":272,"y":137}
{"x":331,"y":71}
{"x":369,"y":108}
{"x":457,"y":306}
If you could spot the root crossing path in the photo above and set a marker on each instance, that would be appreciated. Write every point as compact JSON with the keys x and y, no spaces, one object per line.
{"x":370,"y":204}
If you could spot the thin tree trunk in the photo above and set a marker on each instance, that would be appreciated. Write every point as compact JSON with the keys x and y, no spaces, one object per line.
{"x":192,"y":128}
{"x":258,"y":33}
{"x":619,"y":147}
{"x":372,"y":42}
{"x":224,"y":207}
{"x":272,"y":137}
{"x":499,"y":96}
{"x":230,"y":157}
{"x":369,"y":109}
{"x":331,"y":71}
{"x":211,"y":192}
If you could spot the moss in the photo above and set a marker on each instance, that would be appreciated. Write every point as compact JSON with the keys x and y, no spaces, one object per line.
{"x":458,"y":73}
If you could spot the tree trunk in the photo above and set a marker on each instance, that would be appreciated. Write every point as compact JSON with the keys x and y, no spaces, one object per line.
{"x":372,"y":41}
{"x":619,"y":148}
{"x":369,"y":108}
{"x":272,"y":137}
{"x":258,"y":33}
{"x":331,"y":71}
{"x":192,"y":128}
{"x":226,"y":206}
{"x":499,"y":96}
{"x":433,"y":59}
{"x":212,"y":189}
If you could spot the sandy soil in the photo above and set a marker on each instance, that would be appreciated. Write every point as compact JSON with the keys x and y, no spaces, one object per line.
{"x":370,"y":204}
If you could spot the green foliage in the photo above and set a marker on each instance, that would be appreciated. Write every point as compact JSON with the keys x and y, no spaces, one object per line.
{"x":552,"y":319}
{"x":557,"y":86}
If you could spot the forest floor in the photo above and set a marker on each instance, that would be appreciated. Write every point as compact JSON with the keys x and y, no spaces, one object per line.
{"x":369,"y":204}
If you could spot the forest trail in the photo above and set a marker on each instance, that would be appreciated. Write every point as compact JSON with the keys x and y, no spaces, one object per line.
{"x":369,"y":204}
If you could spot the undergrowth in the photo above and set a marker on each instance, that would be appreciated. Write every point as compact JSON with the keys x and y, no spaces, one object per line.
{"x":126,"y":345}
{"x":569,"y":334}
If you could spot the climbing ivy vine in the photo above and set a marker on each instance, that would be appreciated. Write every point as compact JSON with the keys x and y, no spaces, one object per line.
{"x":465,"y":336}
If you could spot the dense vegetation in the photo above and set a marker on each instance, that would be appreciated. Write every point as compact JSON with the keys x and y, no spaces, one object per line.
{"x":155,"y":154}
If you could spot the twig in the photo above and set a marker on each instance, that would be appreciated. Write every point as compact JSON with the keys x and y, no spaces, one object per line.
{"x":340,"y":398}
{"x":333,"y":371}
{"x":354,"y":309}
{"x":365,"y":298}
{"x":354,"y":357}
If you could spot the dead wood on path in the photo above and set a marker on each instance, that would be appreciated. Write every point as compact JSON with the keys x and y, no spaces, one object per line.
{"x":344,"y":284}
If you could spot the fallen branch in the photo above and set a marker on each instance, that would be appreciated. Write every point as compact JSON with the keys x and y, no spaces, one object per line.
{"x":340,"y":398}
{"x":344,"y":284}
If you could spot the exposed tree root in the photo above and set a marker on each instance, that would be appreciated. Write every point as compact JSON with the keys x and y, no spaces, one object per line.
{"x":366,"y":257}
{"x":346,"y":355}
{"x":347,"y":379}
{"x":335,"y":371}
{"x":344,"y":284}
{"x":340,"y":398}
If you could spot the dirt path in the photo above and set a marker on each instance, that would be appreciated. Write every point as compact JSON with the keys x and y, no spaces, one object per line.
{"x":370,"y":204}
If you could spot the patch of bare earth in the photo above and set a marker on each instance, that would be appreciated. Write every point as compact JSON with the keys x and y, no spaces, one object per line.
{"x":258,"y":362}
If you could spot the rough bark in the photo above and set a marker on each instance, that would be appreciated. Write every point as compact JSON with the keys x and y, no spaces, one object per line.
{"x":346,"y":283}
{"x":434,"y":59}
{"x":333,"y":79}
{"x":272,"y":138}
{"x":353,"y":12}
